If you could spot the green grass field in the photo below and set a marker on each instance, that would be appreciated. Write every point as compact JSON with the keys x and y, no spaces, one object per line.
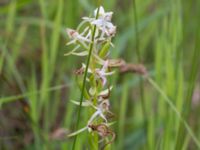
{"x":37,"y":82}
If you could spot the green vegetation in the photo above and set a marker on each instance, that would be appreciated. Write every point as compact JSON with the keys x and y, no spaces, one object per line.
{"x":155,"y":112}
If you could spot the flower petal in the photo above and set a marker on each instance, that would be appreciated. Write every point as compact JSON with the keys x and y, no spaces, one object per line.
{"x":70,"y":53}
{"x":101,"y":11}
{"x":94,"y":116}
{"x":85,"y":103}
{"x":77,"y":132}
{"x":108,"y":73}
{"x":103,"y":117}
{"x":84,"y":53}
{"x":105,"y":92}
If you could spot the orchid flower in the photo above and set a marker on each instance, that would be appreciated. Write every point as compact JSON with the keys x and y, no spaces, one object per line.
{"x":100,"y":109}
{"x":103,"y":22}
{"x":75,"y":36}
{"x":102,"y":73}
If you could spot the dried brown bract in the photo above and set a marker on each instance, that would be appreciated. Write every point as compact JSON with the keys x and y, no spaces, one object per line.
{"x":133,"y":68}
{"x":127,"y":67}
{"x":116,"y":63}
{"x":104,"y":131}
{"x":79,"y":71}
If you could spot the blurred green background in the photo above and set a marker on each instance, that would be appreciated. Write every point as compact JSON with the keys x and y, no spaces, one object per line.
{"x":37,"y":81}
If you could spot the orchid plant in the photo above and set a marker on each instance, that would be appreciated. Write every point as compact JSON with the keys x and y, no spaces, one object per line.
{"x":97,"y":89}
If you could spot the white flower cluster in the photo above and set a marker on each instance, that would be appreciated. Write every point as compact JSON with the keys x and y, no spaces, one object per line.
{"x":81,"y":38}
{"x":98,"y":70}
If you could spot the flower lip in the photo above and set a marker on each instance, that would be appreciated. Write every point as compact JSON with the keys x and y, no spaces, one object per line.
{"x":105,"y":105}
{"x":102,"y":73}
{"x":112,"y":31}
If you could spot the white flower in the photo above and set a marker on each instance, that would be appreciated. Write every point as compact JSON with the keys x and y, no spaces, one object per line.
{"x":97,"y":113}
{"x":103,"y":22}
{"x":75,"y":36}
{"x":105,"y":92}
{"x":102,"y":73}
{"x":102,"y":107}
{"x":111,"y":31}
{"x":105,"y":26}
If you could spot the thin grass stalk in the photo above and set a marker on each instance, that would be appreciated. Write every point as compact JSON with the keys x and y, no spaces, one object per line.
{"x":173,"y":34}
{"x":54,"y":45}
{"x":173,"y":107}
{"x":45,"y":72}
{"x":11,"y":18}
{"x":192,"y":80}
{"x":9,"y":99}
{"x":122,"y":115}
{"x":2,"y":58}
{"x":137,"y":47}
{"x":33,"y":112}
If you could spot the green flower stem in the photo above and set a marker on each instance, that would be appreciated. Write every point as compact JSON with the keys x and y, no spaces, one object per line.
{"x":84,"y":81}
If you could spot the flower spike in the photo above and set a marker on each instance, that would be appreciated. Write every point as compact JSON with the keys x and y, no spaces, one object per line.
{"x":97,"y":87}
